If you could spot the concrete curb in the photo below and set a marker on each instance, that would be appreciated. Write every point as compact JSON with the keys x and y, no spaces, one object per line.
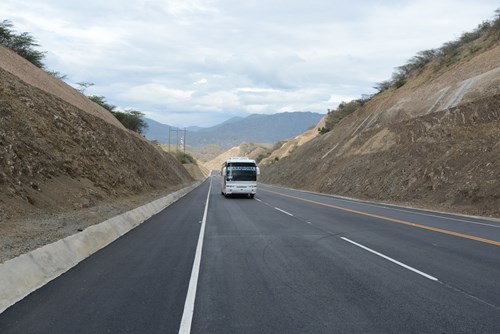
{"x":26,"y":273}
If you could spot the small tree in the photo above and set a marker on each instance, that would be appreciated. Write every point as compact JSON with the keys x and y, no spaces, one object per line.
{"x":130,"y":118}
{"x":6,"y":33}
{"x":323,"y":130}
{"x":58,"y":75}
{"x":383,"y":86}
{"x":101,"y":100}
{"x":185,"y":158}
{"x":23,"y":44}
{"x":83,"y":86}
{"x":495,"y":25}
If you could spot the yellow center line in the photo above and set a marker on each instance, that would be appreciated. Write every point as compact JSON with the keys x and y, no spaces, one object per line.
{"x":435,"y":229}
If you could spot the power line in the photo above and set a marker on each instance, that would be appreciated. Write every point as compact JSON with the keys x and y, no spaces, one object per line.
{"x":182,"y":139}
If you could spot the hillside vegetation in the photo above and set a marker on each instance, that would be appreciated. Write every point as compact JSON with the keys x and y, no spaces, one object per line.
{"x":430,"y":138}
{"x":284,"y":148}
{"x":25,"y":45}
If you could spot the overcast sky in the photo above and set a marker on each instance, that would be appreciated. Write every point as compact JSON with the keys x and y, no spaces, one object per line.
{"x":200,"y":62}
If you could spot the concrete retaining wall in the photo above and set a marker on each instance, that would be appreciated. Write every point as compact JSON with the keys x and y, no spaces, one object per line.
{"x":26,"y":273}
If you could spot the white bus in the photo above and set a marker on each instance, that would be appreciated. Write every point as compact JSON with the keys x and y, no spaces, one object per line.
{"x":239,"y":176}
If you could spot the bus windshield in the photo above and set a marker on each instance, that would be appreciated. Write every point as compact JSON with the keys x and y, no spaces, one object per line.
{"x":238,"y":171}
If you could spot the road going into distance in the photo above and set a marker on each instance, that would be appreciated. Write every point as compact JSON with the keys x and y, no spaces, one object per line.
{"x":285,"y":262}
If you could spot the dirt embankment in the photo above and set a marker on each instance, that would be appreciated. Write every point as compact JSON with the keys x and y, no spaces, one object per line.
{"x":250,"y":150}
{"x":291,"y":144}
{"x":63,"y":168}
{"x":35,"y":77}
{"x":433,"y":142}
{"x":197,"y":171}
{"x":445,"y":160}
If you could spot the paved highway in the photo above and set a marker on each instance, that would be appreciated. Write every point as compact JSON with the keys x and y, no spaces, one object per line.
{"x":284,"y":262}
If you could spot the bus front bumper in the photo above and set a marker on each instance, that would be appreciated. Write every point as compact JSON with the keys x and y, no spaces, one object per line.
{"x":241,"y":190}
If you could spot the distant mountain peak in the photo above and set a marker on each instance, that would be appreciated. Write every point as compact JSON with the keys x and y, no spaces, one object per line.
{"x":257,"y":128}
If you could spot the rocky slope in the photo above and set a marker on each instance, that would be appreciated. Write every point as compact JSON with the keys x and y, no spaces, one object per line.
{"x":290,"y":145}
{"x":66,"y":163}
{"x":251,"y":150}
{"x":35,"y":77}
{"x":435,"y":142}
{"x":197,"y":171}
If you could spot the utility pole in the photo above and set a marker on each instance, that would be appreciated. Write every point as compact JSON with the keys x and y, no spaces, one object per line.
{"x":177,"y":132}
{"x":177,"y":144}
{"x":184,"y":141}
{"x":169,"y":139}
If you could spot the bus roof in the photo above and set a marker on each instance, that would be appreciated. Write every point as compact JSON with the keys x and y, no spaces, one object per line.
{"x":240,"y":159}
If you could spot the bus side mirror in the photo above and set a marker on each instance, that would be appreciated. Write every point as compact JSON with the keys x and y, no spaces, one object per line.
{"x":258,"y":171}
{"x":223,"y":171}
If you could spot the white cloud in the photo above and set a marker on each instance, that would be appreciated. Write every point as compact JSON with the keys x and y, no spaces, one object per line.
{"x":337,"y":99}
{"x":180,"y":7}
{"x":202,"y":81}
{"x":257,"y":108}
{"x":192,"y":61}
{"x":156,"y":92}
{"x":256,"y":90}
{"x":219,"y":101}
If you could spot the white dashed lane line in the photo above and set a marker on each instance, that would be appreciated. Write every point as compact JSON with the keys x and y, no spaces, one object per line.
{"x":287,"y":213}
{"x":391,"y":259}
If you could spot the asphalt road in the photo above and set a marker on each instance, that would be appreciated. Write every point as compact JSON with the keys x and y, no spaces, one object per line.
{"x":284,"y":262}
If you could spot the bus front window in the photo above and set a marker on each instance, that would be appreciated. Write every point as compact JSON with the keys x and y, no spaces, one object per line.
{"x":241,"y":172}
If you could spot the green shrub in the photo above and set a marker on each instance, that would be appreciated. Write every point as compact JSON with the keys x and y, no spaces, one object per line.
{"x":185,"y":158}
{"x":23,"y":44}
{"x":323,"y":130}
{"x":446,"y":55}
{"x":334,"y":116}
{"x":399,"y":83}
{"x":262,"y":157}
{"x":131,"y":119}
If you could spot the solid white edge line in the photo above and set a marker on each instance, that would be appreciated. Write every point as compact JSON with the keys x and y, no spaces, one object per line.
{"x":392,"y":260}
{"x":287,"y":213}
{"x":258,"y":200}
{"x":187,"y":315}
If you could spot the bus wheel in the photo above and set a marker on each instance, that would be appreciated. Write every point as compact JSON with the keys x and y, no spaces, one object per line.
{"x":252,"y":195}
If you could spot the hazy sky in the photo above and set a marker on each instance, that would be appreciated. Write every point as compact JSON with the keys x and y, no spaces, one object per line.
{"x":199,"y":62}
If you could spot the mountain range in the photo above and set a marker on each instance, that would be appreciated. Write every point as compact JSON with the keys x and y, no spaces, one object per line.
{"x":255,"y":128}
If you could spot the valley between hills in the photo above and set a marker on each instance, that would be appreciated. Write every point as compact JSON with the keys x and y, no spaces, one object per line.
{"x":430,"y":139}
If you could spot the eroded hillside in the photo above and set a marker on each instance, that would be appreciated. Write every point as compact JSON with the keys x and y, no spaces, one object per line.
{"x":251,"y":150}
{"x":63,"y":167}
{"x":434,"y":142}
{"x":290,"y":145}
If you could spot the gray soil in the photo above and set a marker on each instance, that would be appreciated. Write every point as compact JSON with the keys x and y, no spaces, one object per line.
{"x":432,"y":143}
{"x":63,"y":168}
